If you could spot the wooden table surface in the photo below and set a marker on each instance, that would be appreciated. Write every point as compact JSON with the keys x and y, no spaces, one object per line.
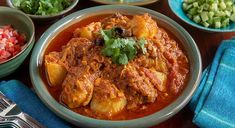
{"x":207,"y":43}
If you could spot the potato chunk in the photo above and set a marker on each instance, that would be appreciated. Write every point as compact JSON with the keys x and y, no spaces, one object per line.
{"x":107,"y":99}
{"x":88,"y":31}
{"x":143,"y":26}
{"x":55,"y":72}
{"x":162,"y":77}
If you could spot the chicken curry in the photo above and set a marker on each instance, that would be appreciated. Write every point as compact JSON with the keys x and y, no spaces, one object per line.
{"x":115,"y":67}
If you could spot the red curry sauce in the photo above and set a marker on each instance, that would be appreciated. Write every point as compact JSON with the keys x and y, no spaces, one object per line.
{"x":150,"y":108}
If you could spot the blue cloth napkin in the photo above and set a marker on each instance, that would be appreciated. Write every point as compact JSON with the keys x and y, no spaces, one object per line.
{"x":31,"y":104}
{"x":214,"y":101}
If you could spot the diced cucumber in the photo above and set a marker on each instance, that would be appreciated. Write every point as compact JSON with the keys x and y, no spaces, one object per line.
{"x":206,"y":7}
{"x":192,"y":11}
{"x":227,"y":13}
{"x":210,"y":13}
{"x":214,"y":6}
{"x":197,"y":18}
{"x":220,"y":13}
{"x":204,"y":16}
{"x":232,"y":17}
{"x":210,"y":21}
{"x":217,"y":19}
{"x":195,"y":4}
{"x":185,"y":6}
{"x":217,"y":24}
{"x":222,"y":5}
{"x":229,"y":3}
{"x":205,"y":24}
{"x":225,"y":22}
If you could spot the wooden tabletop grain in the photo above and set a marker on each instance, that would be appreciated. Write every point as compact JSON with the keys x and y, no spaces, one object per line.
{"x":207,"y":43}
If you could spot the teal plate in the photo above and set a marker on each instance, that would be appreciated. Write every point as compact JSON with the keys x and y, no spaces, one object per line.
{"x":176,"y":7}
{"x":130,"y":2}
{"x":186,"y":40}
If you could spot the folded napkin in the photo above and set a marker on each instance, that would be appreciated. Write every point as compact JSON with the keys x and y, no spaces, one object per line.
{"x":214,"y":101}
{"x":31,"y":104}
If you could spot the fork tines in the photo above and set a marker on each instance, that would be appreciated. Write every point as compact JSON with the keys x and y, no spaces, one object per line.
{"x":4,"y":103}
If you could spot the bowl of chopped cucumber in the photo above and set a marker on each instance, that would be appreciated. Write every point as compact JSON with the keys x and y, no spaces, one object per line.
{"x":43,"y":10}
{"x":208,"y":15}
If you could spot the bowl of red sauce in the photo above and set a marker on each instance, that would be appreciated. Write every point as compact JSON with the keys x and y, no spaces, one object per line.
{"x":16,"y":39}
{"x":115,"y":66}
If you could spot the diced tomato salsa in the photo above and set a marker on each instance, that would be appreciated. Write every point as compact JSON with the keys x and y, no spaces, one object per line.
{"x":11,"y":42}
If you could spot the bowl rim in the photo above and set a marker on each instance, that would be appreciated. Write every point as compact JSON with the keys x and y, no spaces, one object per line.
{"x":76,"y":118}
{"x":74,"y":3}
{"x":30,"y":40}
{"x":129,"y":3}
{"x":195,"y":24}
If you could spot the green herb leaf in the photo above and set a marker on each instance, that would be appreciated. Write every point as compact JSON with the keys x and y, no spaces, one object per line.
{"x":107,"y":34}
{"x":130,"y":52}
{"x":141,"y":44}
{"x":16,"y":3}
{"x":42,"y":7}
{"x":123,"y":59}
{"x":28,"y":6}
{"x":121,"y":50}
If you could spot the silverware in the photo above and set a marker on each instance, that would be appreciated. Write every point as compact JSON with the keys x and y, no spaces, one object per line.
{"x":11,"y":124}
{"x":10,"y":113}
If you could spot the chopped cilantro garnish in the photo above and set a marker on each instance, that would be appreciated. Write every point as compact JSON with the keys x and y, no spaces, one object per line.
{"x":42,"y":7}
{"x":121,"y":50}
{"x":141,"y":44}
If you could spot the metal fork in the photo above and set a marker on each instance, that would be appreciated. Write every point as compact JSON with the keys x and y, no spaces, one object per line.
{"x":11,"y":124}
{"x":11,"y":113}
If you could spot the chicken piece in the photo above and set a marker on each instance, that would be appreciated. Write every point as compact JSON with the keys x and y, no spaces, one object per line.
{"x":77,"y":91}
{"x":143,"y":26}
{"x":116,"y":20}
{"x":177,"y":75}
{"x":89,"y":31}
{"x":158,"y":79}
{"x":55,"y":71}
{"x":76,"y":47}
{"x":107,"y":99}
{"x":138,"y":81}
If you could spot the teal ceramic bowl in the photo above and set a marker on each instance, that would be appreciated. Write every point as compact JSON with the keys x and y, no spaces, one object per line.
{"x":39,"y":18}
{"x":129,"y":2}
{"x":147,"y":121}
{"x":176,"y":7}
{"x":23,"y":24}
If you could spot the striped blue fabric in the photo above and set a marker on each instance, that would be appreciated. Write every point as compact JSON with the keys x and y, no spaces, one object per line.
{"x":214,"y":101}
{"x":28,"y":101}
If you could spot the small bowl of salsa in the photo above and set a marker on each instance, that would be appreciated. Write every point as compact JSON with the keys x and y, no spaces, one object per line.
{"x":16,"y":39}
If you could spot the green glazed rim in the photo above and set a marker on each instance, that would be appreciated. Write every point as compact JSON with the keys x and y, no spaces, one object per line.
{"x":187,"y":41}
{"x":129,"y":2}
